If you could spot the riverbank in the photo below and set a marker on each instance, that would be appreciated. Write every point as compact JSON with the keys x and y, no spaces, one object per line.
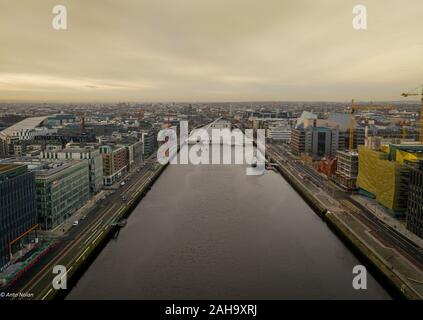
{"x":89,"y":255}
{"x":343,"y":225}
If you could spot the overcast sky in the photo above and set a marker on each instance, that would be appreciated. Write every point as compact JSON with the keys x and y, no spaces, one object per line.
{"x":209,"y":50}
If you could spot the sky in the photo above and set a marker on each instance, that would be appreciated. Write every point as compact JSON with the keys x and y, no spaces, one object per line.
{"x":209,"y":50}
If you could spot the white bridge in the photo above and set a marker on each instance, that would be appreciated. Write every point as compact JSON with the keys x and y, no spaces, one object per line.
{"x":204,"y":134}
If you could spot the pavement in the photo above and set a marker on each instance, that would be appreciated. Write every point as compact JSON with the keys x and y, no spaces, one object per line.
{"x":408,"y":272}
{"x":382,"y":214}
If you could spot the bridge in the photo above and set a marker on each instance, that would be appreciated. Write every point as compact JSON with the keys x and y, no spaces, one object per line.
{"x":204,"y":134}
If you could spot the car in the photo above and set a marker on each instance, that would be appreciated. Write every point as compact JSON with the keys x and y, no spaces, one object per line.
{"x":122,"y":183}
{"x":75,"y":223}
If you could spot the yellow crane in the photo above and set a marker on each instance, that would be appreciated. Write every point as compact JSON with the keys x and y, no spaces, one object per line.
{"x":354,"y":108}
{"x":407,"y":94}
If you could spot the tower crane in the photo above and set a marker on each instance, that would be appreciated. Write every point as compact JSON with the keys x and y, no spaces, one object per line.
{"x":412,"y":93}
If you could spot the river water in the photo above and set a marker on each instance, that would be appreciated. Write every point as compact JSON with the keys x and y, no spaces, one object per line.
{"x":212,"y":232}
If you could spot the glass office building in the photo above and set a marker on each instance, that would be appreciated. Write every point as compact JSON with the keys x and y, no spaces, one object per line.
{"x":17,"y":208}
{"x":62,"y":188}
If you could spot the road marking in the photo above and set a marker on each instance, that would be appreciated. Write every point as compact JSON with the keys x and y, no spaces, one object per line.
{"x":82,"y":254}
{"x":66,"y":272}
{"x":92,"y":234}
{"x":98,"y":222}
{"x":48,"y":292}
{"x":97,"y":237}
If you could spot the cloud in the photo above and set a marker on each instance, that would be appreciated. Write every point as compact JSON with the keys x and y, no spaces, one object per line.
{"x":209,"y":50}
{"x":42,"y":82}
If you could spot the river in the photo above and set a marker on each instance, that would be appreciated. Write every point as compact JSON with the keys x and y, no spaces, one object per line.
{"x":212,"y":232}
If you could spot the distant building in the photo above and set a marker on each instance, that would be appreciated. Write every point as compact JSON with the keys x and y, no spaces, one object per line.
{"x":64,"y":137}
{"x":321,"y":141}
{"x":323,"y":137}
{"x":342,"y":120}
{"x":298,"y":141}
{"x":104,"y":129}
{"x":298,"y":135}
{"x":60,"y":119}
{"x":88,"y":154}
{"x":268,"y":115}
{"x":18,"y":215}
{"x":135,"y":153}
{"x":23,"y":130}
{"x":385,"y":131}
{"x":279,"y":131}
{"x":376,"y":142}
{"x":115,"y":163}
{"x":306,"y":115}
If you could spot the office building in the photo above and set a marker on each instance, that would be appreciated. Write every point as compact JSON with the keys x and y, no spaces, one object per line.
{"x":135,"y":154}
{"x":115,"y":163}
{"x":62,"y":188}
{"x":89,"y":154}
{"x":297,"y":144}
{"x":18,"y":216}
{"x":347,"y":169}
{"x":321,"y":141}
{"x":149,"y":140}
{"x":279,"y":131}
{"x":384,"y":174}
{"x":414,"y":216}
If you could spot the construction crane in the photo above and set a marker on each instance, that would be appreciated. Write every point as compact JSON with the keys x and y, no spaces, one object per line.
{"x":354,"y":108}
{"x":407,"y":94}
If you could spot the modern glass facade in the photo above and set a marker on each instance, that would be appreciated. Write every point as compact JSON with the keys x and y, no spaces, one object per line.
{"x":415,"y":201}
{"x":17,"y":206}
{"x":60,"y":192}
{"x":89,"y":154}
{"x":150,"y":143}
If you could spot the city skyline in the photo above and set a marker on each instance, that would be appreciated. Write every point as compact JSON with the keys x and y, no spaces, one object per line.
{"x":202,"y":51}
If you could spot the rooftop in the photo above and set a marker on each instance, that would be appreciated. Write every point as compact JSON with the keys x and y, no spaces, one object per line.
{"x":40,"y":167}
{"x":348,"y":152}
{"x":77,"y":149}
{"x":49,"y":169}
{"x":11,"y":170}
{"x":26,"y":124}
{"x":7,"y":167}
